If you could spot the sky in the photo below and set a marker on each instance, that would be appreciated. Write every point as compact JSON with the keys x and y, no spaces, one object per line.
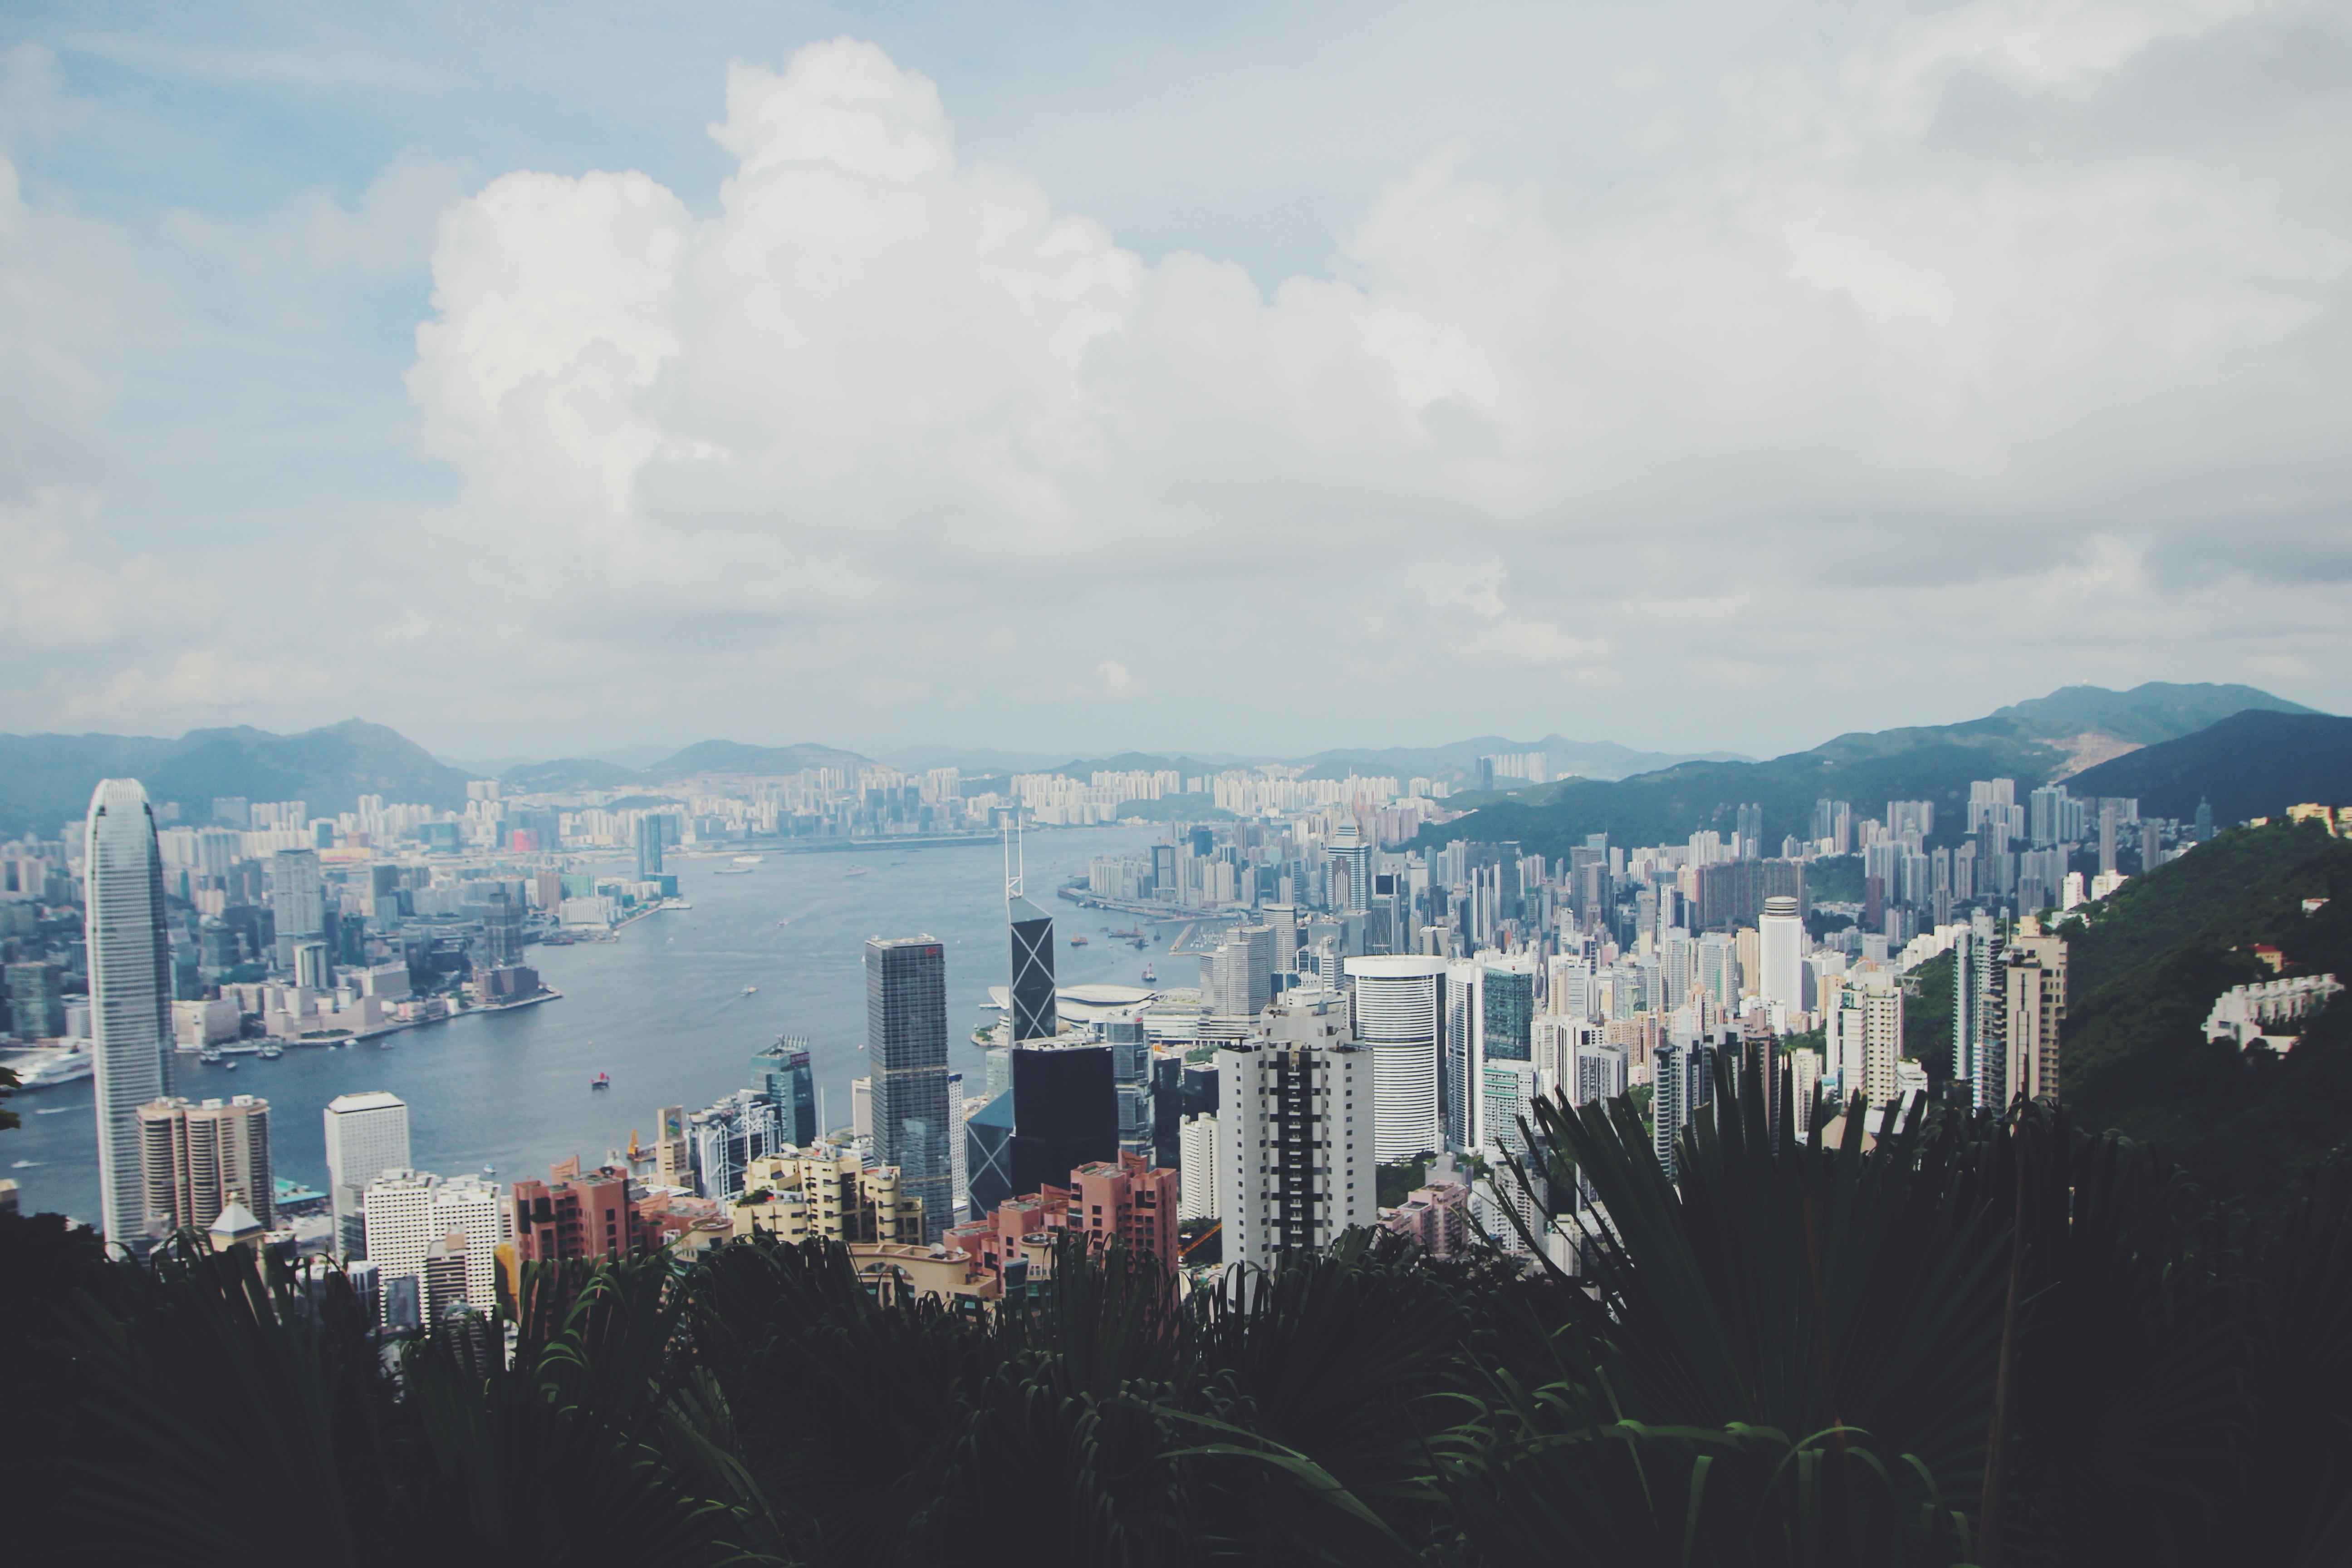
{"x":548,"y":380}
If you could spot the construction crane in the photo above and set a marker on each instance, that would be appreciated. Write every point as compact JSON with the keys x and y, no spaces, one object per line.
{"x":1198,"y":1239}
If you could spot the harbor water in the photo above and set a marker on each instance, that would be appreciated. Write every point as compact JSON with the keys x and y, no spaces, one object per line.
{"x":663,"y":1009}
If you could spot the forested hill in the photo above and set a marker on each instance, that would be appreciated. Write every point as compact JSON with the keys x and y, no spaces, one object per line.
{"x":45,"y":780}
{"x":2145,"y":968}
{"x":2032,"y":742}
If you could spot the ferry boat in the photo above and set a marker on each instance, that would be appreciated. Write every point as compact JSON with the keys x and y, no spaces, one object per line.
{"x":1077,"y":941}
{"x":601,"y":1080}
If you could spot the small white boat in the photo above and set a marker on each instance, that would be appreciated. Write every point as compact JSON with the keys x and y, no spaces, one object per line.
{"x":751,"y":991}
{"x":750,"y":859}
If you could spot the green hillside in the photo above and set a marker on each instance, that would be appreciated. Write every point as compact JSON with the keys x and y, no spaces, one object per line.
{"x":2027,"y":742}
{"x":45,"y":780}
{"x":2145,"y":968}
{"x":2251,"y":764}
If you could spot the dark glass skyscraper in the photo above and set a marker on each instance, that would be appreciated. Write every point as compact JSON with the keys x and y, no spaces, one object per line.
{"x":783,"y":1074}
{"x":907,"y":1056}
{"x":1031,"y":999}
{"x":1064,"y":1112}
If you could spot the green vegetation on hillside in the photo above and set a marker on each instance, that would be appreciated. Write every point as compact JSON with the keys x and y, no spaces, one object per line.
{"x":2251,"y":764}
{"x":46,"y":780}
{"x":1935,"y":763}
{"x":2145,"y":968}
{"x":1835,"y":879}
{"x":1927,"y":1016}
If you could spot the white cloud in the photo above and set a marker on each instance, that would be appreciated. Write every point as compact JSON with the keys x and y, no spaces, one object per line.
{"x":2011,"y":344}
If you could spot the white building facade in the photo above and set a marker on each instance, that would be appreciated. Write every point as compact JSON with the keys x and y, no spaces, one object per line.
{"x":1296,"y":1131}
{"x":1400,"y":1006}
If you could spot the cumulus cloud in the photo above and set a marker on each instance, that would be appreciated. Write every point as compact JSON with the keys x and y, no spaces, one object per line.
{"x":1967,"y":312}
{"x":2008,"y":347}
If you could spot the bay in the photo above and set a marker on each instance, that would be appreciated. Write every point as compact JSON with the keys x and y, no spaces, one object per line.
{"x":662,"y":1009}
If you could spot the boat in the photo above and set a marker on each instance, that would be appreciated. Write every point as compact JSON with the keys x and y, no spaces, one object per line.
{"x":44,"y":1068}
{"x":270,"y":1053}
{"x":601,"y":1080}
{"x":231,"y":1066}
{"x":783,"y":923}
{"x":751,"y":991}
{"x":855,"y":871}
{"x":1077,"y":941}
{"x":211,"y":1056}
{"x":1150,"y":977}
{"x":750,"y":859}
{"x":489,"y":1170}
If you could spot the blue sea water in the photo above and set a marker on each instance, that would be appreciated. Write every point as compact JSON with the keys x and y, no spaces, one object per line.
{"x":662,"y":1010}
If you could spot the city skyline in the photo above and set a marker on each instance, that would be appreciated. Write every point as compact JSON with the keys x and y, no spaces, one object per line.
{"x":1535,"y":342}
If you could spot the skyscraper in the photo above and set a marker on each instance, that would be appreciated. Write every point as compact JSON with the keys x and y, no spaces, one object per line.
{"x":1398,"y":1006}
{"x":1064,"y":1112}
{"x":408,"y":1212}
{"x":1296,"y":1129}
{"x":907,"y":1055}
{"x":298,"y":901}
{"x":197,"y":1160}
{"x":1030,"y":1000}
{"x":2033,"y":1002}
{"x":1781,"y":951}
{"x":1351,"y":866}
{"x":784,"y":1075}
{"x":647,"y":834}
{"x":367,"y":1134}
{"x":129,"y":995}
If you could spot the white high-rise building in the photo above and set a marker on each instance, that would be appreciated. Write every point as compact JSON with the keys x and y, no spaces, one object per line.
{"x":1781,"y":951}
{"x":1399,"y":1004}
{"x":1296,"y":1127}
{"x":129,"y":996}
{"x":1866,"y":1038}
{"x":1600,"y":1073}
{"x":1196,"y":1168}
{"x":367,"y":1134}
{"x":407,"y":1212}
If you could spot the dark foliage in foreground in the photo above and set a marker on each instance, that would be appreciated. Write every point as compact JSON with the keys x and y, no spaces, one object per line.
{"x":1804,"y":1355}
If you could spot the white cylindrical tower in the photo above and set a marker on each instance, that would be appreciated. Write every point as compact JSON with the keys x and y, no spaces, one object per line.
{"x":1399,"y":1011}
{"x":1780,"y":948}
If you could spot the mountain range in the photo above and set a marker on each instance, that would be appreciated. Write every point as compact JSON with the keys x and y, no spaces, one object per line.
{"x":45,"y":780}
{"x":2249,"y":753}
{"x":2071,"y":734}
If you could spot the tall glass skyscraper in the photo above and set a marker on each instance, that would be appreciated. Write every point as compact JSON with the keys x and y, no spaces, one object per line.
{"x":907,"y":1055}
{"x":298,"y":900}
{"x":1031,"y":993}
{"x":129,"y":996}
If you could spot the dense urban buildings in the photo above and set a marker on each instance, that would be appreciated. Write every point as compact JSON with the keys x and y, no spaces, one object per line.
{"x":1322,"y":948}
